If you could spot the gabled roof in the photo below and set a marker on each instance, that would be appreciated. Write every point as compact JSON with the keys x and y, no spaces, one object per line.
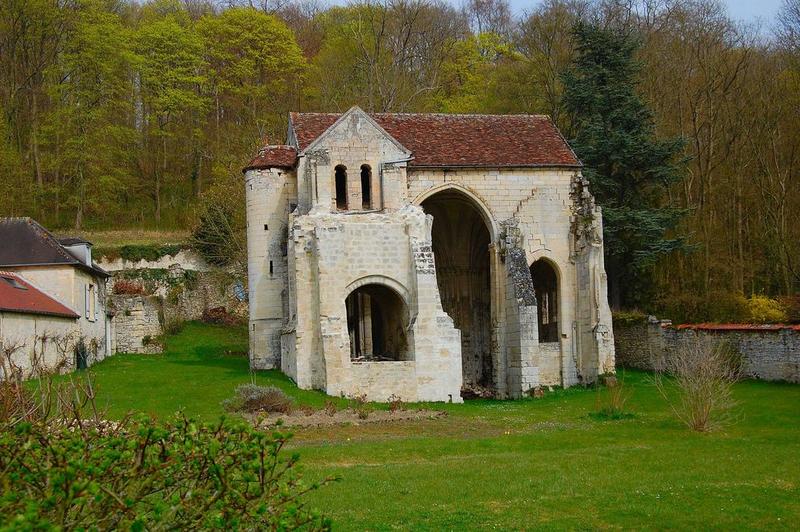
{"x":23,"y":242}
{"x":19,"y":296}
{"x":444,"y":140}
{"x":355,"y":110}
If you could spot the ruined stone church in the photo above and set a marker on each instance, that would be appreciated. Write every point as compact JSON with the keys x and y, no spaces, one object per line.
{"x":425,"y":257}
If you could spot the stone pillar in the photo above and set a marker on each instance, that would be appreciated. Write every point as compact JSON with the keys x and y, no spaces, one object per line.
{"x":522,"y":334}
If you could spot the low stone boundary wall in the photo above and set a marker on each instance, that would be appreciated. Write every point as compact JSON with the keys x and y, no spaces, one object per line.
{"x":769,"y":352}
{"x":185,"y":258}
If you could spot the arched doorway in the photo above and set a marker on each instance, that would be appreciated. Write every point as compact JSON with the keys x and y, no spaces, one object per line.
{"x":545,"y":285}
{"x":377,"y":319}
{"x":461,"y":240}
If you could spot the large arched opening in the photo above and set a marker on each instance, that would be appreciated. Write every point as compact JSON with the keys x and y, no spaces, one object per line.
{"x":461,"y":239}
{"x":377,"y":320}
{"x":545,"y":285}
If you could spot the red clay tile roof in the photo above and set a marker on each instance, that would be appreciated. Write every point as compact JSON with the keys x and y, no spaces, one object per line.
{"x":18,"y":295}
{"x":737,"y":327}
{"x":460,"y":140}
{"x":274,"y":157}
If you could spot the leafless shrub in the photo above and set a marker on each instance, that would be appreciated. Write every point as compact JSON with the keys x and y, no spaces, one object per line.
{"x":253,"y":398}
{"x":15,"y":400}
{"x":330,"y":408}
{"x":10,"y":370}
{"x":128,"y":287}
{"x":65,"y":347}
{"x":697,"y":381}
{"x":307,"y":410}
{"x":358,"y":403}
{"x":396,"y":404}
{"x":611,"y":399}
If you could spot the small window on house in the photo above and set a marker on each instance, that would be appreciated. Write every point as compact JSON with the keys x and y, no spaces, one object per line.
{"x":366,"y":187}
{"x":341,"y":187}
{"x":91,"y":302}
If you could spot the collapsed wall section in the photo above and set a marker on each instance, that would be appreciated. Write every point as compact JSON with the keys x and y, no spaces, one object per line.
{"x":594,"y":334}
{"x":333,"y":255}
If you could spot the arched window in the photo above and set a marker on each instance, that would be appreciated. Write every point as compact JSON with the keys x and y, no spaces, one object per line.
{"x":341,"y":187}
{"x":545,"y":284}
{"x":366,"y":187}
{"x":376,"y":323}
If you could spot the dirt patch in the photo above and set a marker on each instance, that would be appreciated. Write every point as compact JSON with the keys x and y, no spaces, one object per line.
{"x":321,"y":418}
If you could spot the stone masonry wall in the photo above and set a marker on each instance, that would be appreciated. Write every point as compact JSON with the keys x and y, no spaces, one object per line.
{"x":136,"y":323}
{"x":187,"y":294}
{"x":271,"y":197}
{"x":769,"y":353}
{"x":333,"y":254}
{"x":542,"y":203}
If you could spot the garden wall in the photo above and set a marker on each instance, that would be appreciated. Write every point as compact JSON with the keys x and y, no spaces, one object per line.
{"x":769,"y":352}
{"x":148,"y":302}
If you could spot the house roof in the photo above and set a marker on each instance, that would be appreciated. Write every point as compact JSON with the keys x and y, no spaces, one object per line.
{"x":73,"y":240}
{"x":18,"y":295}
{"x":447,"y":140}
{"x":274,"y":156}
{"x":26,"y":243}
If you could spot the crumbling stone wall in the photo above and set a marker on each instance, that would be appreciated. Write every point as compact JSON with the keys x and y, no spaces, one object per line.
{"x":558,"y":221}
{"x":185,"y":258}
{"x":187,"y":294}
{"x":136,"y":323}
{"x":299,"y":279}
{"x":333,"y":254}
{"x":771,"y":353}
{"x":522,"y":336}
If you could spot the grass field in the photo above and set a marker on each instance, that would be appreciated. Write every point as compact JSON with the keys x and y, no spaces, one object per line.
{"x":111,"y":240}
{"x":542,"y":463}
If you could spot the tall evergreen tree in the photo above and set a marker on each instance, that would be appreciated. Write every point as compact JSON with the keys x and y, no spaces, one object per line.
{"x":629,"y":168}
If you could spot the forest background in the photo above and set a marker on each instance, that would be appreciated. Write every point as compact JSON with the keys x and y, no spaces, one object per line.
{"x":121,"y":114}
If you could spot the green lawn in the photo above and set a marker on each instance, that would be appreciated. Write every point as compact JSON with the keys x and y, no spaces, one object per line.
{"x":200,"y":367}
{"x":506,"y":464}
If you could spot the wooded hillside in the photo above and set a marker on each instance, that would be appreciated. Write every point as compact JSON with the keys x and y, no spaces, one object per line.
{"x":121,"y":114}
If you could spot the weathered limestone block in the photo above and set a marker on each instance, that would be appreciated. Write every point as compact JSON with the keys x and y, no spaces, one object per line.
{"x":136,"y":323}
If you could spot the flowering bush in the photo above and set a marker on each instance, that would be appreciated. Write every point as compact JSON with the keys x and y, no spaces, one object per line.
{"x":765,"y":310}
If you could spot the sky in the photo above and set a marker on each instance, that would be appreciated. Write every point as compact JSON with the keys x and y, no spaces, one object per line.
{"x":747,"y":10}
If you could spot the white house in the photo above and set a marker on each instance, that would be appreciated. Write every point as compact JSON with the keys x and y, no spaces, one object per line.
{"x":33,"y":260}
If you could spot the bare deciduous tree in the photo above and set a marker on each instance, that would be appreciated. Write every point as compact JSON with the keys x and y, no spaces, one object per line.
{"x":489,"y":16}
{"x":788,"y":27}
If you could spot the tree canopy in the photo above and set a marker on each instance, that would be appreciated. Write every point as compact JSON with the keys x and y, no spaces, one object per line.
{"x":122,"y":113}
{"x":629,"y":168}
